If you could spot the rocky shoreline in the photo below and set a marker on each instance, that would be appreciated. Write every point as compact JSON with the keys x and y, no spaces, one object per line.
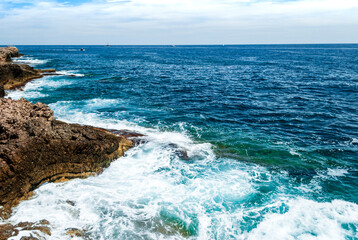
{"x":14,"y":75}
{"x":36,"y":148}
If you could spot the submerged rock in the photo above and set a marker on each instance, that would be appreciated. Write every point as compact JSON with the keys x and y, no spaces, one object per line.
{"x":179,"y":151}
{"x":75,"y":232}
{"x":35,"y":148}
{"x":135,"y":137}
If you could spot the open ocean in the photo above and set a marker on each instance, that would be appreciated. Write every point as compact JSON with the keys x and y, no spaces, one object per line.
{"x":271,"y":132}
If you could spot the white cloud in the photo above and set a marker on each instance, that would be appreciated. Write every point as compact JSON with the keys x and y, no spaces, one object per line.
{"x":183,"y":22}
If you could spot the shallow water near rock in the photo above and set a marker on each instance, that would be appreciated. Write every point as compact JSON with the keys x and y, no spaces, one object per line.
{"x":270,"y":134}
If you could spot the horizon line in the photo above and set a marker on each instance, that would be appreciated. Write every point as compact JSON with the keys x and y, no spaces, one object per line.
{"x":203,"y":44}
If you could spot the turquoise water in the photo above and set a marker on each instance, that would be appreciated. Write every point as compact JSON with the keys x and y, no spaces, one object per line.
{"x":271,"y":133}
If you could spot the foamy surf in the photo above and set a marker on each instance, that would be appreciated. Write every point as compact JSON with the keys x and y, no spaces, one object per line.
{"x":29,"y":60}
{"x":35,"y":89}
{"x":152,"y":193}
{"x":70,"y":73}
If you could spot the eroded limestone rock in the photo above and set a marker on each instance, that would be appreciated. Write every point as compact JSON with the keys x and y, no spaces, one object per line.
{"x":35,"y":148}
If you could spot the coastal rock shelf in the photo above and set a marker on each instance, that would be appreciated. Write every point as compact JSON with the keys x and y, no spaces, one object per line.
{"x":6,"y":53}
{"x":13,"y":75}
{"x":35,"y":148}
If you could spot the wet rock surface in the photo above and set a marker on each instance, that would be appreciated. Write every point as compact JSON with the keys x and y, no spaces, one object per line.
{"x":35,"y":148}
{"x":179,"y":151}
{"x":135,"y":137}
{"x":38,"y":230}
{"x":75,"y":232}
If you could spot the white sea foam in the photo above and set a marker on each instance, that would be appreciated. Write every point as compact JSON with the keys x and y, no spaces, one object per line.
{"x":249,"y":59}
{"x":307,"y":219}
{"x":148,"y":191}
{"x":142,"y":187}
{"x":337,"y":172}
{"x":29,"y":60}
{"x":17,"y":94}
{"x":294,"y":152}
{"x":100,"y":102}
{"x":70,"y":73}
{"x":34,"y":88}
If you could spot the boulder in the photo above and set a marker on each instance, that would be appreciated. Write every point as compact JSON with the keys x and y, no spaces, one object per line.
{"x":6,"y":53}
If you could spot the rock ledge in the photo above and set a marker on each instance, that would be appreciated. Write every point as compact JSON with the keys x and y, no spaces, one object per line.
{"x":35,"y":148}
{"x":13,"y":75}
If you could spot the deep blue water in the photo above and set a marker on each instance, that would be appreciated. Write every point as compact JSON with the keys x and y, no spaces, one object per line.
{"x":283,"y":116}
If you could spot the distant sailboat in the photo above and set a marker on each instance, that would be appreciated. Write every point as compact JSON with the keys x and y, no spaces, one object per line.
{"x":173,"y":45}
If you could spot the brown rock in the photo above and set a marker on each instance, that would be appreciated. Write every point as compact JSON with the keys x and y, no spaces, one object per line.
{"x":51,"y":70}
{"x":8,"y":230}
{"x":29,"y":238}
{"x":7,"y":53}
{"x":13,"y":75}
{"x":74,"y":232}
{"x":136,"y":138}
{"x":35,"y":148}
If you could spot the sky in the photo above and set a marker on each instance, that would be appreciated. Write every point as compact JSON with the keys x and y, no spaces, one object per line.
{"x":162,"y":22}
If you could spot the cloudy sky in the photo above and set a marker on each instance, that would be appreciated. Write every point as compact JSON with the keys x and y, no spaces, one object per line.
{"x":178,"y":21}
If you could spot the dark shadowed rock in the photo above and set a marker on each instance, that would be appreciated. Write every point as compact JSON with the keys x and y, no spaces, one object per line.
{"x":35,"y":148}
{"x":179,"y":151}
{"x":136,"y":138}
{"x":50,"y":70}
{"x":2,"y":91}
{"x":14,"y":75}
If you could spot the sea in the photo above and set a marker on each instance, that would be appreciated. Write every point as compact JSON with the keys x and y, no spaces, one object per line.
{"x":270,"y":133}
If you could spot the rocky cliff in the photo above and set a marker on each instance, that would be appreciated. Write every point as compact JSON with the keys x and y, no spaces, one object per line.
{"x":6,"y":53}
{"x":13,"y":75}
{"x":35,"y":148}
